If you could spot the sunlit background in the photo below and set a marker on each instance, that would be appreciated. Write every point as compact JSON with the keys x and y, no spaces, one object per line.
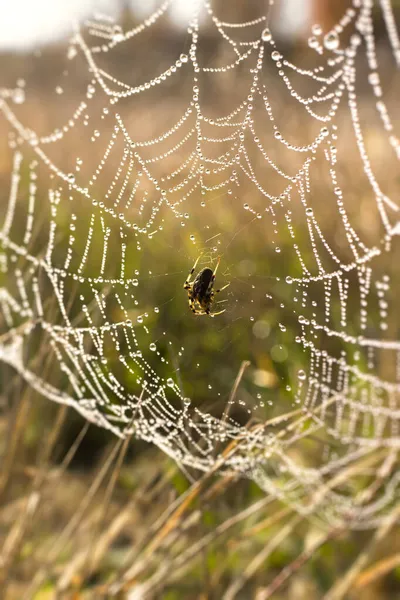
{"x":25,"y":24}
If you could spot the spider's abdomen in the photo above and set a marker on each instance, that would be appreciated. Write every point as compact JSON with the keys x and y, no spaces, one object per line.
{"x":201,"y":283}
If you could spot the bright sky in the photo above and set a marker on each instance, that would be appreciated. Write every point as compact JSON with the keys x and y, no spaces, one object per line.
{"x":25,"y":24}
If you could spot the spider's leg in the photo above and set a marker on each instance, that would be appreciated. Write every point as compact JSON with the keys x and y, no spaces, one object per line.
{"x":220,"y":289}
{"x":216,"y":266}
{"x":187,"y":282}
{"x":196,"y":307}
{"x":197,"y":310}
{"x":216,"y":313}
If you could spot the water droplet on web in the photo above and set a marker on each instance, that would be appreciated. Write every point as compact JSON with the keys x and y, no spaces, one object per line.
{"x":331,"y":41}
{"x":156,"y":309}
{"x":153,"y":347}
{"x":184,"y":58}
{"x":276,"y":55}
{"x":71,"y":178}
{"x":289,"y":279}
{"x":18,"y":96}
{"x":72,"y":52}
{"x":118,"y":36}
{"x":373,"y":78}
{"x":309,"y":212}
{"x":301,"y":375}
{"x":277,"y":249}
{"x":266,"y":35}
{"x":170,"y":382}
{"x":316,"y":29}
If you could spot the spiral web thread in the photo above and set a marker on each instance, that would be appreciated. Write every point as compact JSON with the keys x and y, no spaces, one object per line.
{"x":342,"y":395}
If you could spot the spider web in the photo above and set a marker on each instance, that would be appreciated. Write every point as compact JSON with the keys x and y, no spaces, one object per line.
{"x":287,"y":171}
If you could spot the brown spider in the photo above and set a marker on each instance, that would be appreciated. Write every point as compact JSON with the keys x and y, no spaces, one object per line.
{"x":200,"y":291}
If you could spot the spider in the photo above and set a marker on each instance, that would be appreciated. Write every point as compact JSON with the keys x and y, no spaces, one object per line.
{"x":200,"y":291}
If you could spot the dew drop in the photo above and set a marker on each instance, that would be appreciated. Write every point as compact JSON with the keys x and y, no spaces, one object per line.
{"x":301,"y":375}
{"x":331,"y":41}
{"x":19,"y":96}
{"x":266,"y":35}
{"x":313,"y":42}
{"x":373,"y":78}
{"x":72,"y":52}
{"x":316,"y":29}
{"x":118,"y":36}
